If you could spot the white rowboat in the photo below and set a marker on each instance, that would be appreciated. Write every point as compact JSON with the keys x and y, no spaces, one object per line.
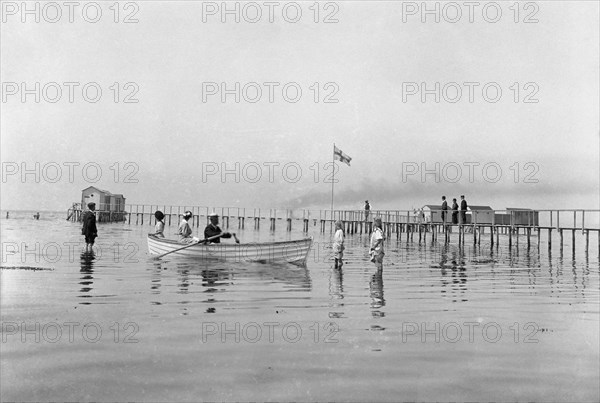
{"x":284,"y":251}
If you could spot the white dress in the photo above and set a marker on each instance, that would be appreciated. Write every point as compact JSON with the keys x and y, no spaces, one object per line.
{"x":338,"y":244}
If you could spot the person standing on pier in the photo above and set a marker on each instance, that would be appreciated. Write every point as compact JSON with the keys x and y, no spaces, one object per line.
{"x":338,"y":244}
{"x":185,"y":231}
{"x":367,"y":210}
{"x":454,"y":212}
{"x":444,"y":209}
{"x":89,"y":229}
{"x":463,"y":210}
{"x":159,"y":228}
{"x":376,"y":251}
{"x":213,"y":229}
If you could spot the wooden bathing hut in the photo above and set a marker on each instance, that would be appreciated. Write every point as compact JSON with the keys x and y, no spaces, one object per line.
{"x":109,"y":206}
{"x":480,"y":215}
{"x":433,"y":214}
{"x":524,"y":216}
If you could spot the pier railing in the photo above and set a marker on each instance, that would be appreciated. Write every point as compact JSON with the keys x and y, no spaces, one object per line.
{"x":412,"y":222}
{"x":567,"y":219}
{"x":580,"y":219}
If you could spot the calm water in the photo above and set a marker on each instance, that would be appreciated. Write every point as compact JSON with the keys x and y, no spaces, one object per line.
{"x":440,"y":323}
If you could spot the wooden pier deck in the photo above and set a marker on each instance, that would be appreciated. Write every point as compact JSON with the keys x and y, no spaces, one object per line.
{"x":403,"y":224}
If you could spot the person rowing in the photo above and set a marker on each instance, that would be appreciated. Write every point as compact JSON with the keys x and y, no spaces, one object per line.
{"x":213,"y":229}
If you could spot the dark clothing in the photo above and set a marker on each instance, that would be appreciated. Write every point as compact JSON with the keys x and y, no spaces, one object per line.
{"x":367,"y":209}
{"x":212,"y":230}
{"x":89,"y":229}
{"x":444,"y":209}
{"x":454,"y":213}
{"x":463,"y":211}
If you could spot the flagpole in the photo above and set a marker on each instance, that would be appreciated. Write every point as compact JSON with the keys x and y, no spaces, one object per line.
{"x":332,"y":183}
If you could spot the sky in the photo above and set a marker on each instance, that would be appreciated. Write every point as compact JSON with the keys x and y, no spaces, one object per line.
{"x":176,"y":103}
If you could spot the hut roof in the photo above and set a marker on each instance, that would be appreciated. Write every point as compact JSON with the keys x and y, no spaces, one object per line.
{"x":106,"y":192}
{"x":479,"y":208}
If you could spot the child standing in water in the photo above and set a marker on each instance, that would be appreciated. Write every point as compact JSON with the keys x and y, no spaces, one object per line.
{"x":338,"y":244}
{"x":376,"y":250}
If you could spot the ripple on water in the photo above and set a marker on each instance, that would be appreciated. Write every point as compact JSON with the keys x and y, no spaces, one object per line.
{"x":442,"y":322}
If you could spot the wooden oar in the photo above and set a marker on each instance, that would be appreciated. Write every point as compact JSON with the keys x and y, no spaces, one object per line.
{"x":235,"y":237}
{"x":190,"y":245}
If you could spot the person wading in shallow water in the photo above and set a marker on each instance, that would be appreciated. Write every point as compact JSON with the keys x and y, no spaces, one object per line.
{"x":89,"y":229}
{"x":338,"y":244}
{"x":376,"y":251}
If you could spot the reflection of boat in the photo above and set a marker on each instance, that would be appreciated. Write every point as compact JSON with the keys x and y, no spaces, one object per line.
{"x":284,"y":251}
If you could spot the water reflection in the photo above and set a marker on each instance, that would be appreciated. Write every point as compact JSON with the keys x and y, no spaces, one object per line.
{"x":377,"y":298}
{"x":336,"y":291}
{"x":87,"y":279}
{"x":452,"y":261}
{"x":197,"y":282}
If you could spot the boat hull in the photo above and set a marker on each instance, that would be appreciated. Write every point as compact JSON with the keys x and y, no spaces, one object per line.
{"x":285,"y":251}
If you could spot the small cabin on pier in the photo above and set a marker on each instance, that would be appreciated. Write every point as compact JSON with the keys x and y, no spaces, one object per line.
{"x":523,"y":216}
{"x":433,"y":213}
{"x":518,"y":216}
{"x":105,"y":200}
{"x":480,"y":215}
{"x":109,"y":206}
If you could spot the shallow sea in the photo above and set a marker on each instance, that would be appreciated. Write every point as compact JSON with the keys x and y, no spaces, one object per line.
{"x":441,"y":323}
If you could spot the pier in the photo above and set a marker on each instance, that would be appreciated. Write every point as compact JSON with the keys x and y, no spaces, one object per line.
{"x":520,"y":226}
{"x":75,"y":212}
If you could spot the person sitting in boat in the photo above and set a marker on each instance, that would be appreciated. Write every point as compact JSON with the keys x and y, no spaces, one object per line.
{"x":159,"y":228}
{"x":185,"y":230}
{"x":213,"y":229}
